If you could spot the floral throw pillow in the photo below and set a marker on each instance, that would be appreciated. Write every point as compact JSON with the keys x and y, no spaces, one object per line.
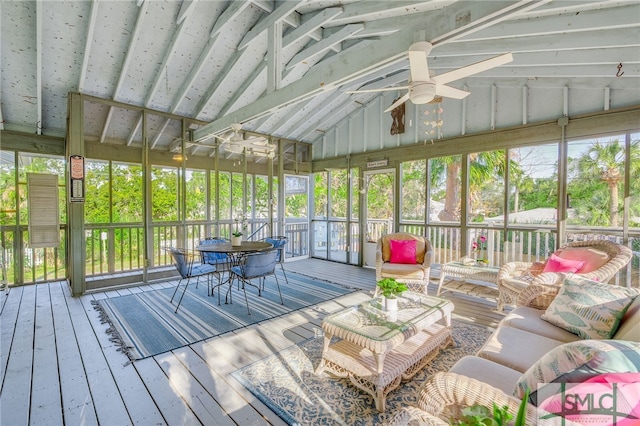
{"x":576,"y":362}
{"x":590,"y":309}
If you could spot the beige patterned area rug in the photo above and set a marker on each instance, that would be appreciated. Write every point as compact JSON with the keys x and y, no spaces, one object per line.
{"x":287,"y":384}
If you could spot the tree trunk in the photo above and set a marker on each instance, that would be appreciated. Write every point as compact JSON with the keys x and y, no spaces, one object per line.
{"x":613,"y":206}
{"x":452,"y":195}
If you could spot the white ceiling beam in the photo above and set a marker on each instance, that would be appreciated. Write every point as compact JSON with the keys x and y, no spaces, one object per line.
{"x":509,"y":12}
{"x":323,"y":45}
{"x":601,"y":39}
{"x":304,"y":133}
{"x":274,"y":57}
{"x":240,"y":93}
{"x":441,"y":64}
{"x":314,"y":108}
{"x":313,"y":24}
{"x":216,"y":84}
{"x":382,"y":53}
{"x":365,"y":11}
{"x":232,"y":11}
{"x":268,"y":6}
{"x":631,"y":70}
{"x":93,"y":18}
{"x":559,"y":8}
{"x":137,"y":29}
{"x":562,"y":24}
{"x":168,"y":54}
{"x":185,"y":10}
{"x":39,"y":53}
{"x":263,"y":25}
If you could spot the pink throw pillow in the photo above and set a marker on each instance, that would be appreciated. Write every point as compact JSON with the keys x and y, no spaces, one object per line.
{"x":558,"y":264}
{"x":403,"y":251}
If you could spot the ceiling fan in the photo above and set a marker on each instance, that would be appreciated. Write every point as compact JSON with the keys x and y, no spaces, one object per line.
{"x":424,"y":87}
{"x":237,"y":144}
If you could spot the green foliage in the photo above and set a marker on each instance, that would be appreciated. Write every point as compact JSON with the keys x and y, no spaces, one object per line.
{"x":390,"y":287}
{"x":479,"y":415}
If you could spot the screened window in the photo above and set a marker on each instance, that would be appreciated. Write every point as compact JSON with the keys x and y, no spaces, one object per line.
{"x":413,"y":180}
{"x":445,"y":175}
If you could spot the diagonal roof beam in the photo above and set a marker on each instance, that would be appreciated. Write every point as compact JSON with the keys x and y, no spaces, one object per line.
{"x":365,"y":11}
{"x":39,"y":53}
{"x":185,"y":10}
{"x":232,"y":11}
{"x":325,"y":44}
{"x":263,"y":25}
{"x":142,"y":12}
{"x":87,"y":46}
{"x":384,"y":52}
{"x":304,"y":30}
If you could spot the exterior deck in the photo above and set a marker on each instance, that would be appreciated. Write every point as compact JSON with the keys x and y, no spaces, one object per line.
{"x":59,"y":367}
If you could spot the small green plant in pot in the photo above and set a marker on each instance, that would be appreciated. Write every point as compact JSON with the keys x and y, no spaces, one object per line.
{"x":390,"y":289}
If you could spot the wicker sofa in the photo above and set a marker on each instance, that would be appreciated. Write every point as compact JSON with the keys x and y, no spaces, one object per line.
{"x":520,"y":340}
{"x":602,"y":259}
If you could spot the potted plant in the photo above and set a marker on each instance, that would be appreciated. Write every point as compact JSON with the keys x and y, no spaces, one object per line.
{"x":390,"y":289}
{"x":236,"y":238}
{"x":479,"y":415}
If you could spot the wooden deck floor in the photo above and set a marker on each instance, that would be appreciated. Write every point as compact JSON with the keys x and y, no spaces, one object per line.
{"x":58,"y":366}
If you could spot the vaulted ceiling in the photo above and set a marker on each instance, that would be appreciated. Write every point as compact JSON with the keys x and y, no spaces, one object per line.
{"x":283,"y":68}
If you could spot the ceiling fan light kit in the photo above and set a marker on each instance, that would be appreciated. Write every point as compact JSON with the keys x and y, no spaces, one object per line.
{"x":422,"y":92}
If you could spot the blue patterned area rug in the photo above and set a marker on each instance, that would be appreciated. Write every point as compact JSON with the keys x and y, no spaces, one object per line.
{"x":144,"y":324}
{"x":287,"y":384}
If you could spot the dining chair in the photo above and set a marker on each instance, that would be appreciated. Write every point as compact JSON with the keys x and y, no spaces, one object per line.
{"x":221,"y":261}
{"x":184,"y":261}
{"x":257,"y":265}
{"x":279,"y":244}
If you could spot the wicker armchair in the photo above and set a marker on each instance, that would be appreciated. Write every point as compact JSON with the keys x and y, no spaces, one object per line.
{"x":445,"y":395}
{"x":510,"y":276}
{"x":415,"y":276}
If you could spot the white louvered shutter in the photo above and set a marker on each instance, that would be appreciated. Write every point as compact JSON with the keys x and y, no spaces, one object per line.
{"x":44,"y":223}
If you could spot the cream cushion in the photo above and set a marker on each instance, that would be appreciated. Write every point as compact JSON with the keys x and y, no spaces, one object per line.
{"x":486,"y":371}
{"x":528,"y":319}
{"x":403,"y":271}
{"x":630,"y":325}
{"x":516,"y":349}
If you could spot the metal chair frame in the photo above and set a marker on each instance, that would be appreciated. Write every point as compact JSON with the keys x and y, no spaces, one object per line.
{"x":184,"y":261}
{"x":257,"y":265}
{"x":279,"y":243}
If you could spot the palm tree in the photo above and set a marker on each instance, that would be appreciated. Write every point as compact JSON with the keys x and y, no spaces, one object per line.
{"x":483,"y":167}
{"x":605,"y":161}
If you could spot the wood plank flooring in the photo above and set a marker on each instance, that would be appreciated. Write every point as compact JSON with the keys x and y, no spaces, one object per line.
{"x":58,"y":366}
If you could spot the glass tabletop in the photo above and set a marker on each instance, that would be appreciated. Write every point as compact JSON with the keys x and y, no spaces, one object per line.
{"x":371,"y":321}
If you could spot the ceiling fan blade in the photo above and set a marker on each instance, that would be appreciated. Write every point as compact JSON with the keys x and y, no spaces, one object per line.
{"x":400,"y":101}
{"x":384,"y":89}
{"x":450,"y":92}
{"x":418,"y":65}
{"x":222,"y":139}
{"x":476,"y":68}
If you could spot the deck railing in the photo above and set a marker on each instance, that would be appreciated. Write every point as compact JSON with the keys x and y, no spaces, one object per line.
{"x":116,"y":249}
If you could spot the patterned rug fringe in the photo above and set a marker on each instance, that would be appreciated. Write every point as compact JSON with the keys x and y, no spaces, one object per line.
{"x":114,"y":335}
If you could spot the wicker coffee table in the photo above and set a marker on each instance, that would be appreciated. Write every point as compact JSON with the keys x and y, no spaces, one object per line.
{"x":455,"y":276}
{"x":377,"y":350}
